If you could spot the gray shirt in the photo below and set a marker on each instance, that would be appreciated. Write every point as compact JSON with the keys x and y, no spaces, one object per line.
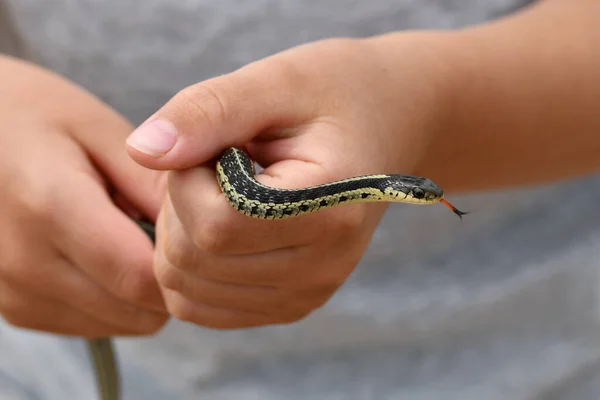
{"x":500,"y":306}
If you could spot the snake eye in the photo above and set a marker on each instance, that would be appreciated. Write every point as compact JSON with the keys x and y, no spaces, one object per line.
{"x":418,"y":193}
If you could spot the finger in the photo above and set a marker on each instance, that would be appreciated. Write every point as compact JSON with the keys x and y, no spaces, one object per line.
{"x":90,"y":122}
{"x":107,"y":245}
{"x":214,"y":226}
{"x":292,"y":267}
{"x":233,"y":296}
{"x":273,"y":300}
{"x":102,"y":132}
{"x":203,"y":119}
{"x":322,"y":264}
{"x":212,"y":316}
{"x":61,"y":281}
{"x":30,"y":311}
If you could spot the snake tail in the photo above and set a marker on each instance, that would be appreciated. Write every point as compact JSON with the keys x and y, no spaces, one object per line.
{"x":102,"y":351}
{"x":102,"y":354}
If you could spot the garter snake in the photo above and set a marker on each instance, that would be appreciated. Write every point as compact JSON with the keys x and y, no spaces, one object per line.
{"x":235,"y":173}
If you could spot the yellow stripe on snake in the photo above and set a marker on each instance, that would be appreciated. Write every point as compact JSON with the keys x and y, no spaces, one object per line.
{"x":235,"y":174}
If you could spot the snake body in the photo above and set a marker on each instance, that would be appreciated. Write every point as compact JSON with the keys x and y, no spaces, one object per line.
{"x":235,"y":173}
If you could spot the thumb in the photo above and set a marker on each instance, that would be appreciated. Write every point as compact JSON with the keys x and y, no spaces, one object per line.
{"x":200,"y":121}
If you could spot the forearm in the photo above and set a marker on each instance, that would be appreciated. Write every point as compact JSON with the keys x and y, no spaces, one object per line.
{"x":521,"y":100}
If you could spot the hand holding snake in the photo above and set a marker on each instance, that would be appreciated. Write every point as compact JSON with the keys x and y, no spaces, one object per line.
{"x":310,"y":116}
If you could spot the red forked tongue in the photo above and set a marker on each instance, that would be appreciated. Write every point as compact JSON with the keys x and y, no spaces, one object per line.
{"x":454,"y":209}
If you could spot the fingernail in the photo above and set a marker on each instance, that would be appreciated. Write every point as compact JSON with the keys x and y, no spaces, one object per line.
{"x":155,"y":138}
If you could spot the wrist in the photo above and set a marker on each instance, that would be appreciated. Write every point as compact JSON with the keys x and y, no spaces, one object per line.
{"x":423,"y":76}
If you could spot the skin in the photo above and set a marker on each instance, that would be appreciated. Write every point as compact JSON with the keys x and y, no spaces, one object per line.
{"x":504,"y":104}
{"x":71,"y":261}
{"x":408,"y":102}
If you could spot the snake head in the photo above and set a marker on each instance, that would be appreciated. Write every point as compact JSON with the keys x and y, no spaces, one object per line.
{"x":411,"y":189}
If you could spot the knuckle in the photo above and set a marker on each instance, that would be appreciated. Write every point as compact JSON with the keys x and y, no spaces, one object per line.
{"x":284,"y":72}
{"x":170,"y":277}
{"x":135,"y":283}
{"x":179,"y":253}
{"x":203,"y":102}
{"x":182,"y":309}
{"x":36,"y":202}
{"x":214,"y":235}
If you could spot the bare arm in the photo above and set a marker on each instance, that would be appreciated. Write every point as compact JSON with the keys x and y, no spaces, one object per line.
{"x":522,"y":99}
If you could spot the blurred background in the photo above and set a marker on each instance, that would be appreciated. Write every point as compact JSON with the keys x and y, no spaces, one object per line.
{"x":503,"y":305}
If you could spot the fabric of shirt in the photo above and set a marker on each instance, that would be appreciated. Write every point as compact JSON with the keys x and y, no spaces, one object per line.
{"x":503,"y":305}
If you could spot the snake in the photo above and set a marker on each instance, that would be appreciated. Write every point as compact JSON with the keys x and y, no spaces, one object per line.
{"x":236,"y":176}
